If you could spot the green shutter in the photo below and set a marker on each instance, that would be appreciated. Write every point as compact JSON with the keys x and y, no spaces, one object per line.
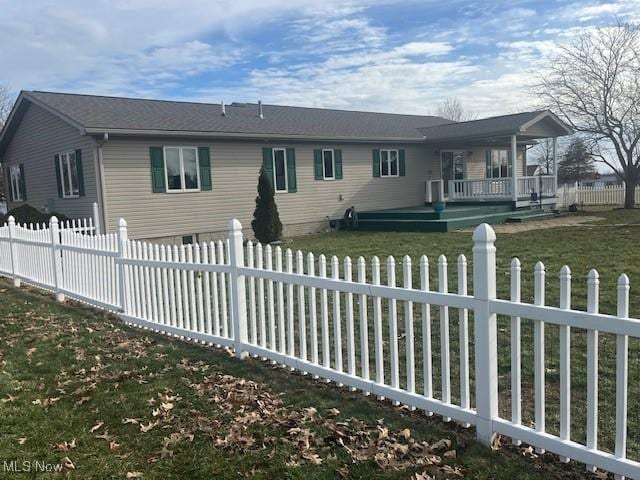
{"x":204,"y":161}
{"x":337,"y":156}
{"x":267,"y":164}
{"x":402,"y":171}
{"x":80,"y":172}
{"x":318,"y":167}
{"x":376,"y":163}
{"x":23,"y":183}
{"x":292,"y":185}
{"x":56,"y":160}
{"x":9,"y":185}
{"x":157,"y":170}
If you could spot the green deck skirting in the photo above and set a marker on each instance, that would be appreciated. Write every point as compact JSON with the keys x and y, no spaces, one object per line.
{"x":454,"y":217}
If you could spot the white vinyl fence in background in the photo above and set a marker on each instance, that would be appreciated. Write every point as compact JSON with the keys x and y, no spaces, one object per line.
{"x":592,"y":196}
{"x":374,"y":326}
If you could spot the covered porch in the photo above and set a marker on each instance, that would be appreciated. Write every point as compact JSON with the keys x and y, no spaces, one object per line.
{"x":485,"y":160}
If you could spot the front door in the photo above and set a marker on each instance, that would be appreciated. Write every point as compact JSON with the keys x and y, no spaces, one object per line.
{"x":452,"y":164}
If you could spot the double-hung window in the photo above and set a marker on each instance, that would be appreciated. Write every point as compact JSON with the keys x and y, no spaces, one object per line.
{"x":328,"y":165}
{"x":182,"y":169}
{"x":280,"y":169}
{"x":68,"y":169}
{"x":498,"y":163}
{"x":389,"y":163}
{"x":15,"y":180}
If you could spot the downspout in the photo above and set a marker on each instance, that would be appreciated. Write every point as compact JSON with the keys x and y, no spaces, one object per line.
{"x":99,"y":162}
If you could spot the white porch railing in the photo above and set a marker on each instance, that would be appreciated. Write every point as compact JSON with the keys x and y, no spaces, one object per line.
{"x":479,"y":188}
{"x":501,"y":188}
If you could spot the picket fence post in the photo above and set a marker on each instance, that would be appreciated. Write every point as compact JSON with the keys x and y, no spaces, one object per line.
{"x":96,"y":220}
{"x":123,"y":243}
{"x":238,"y":296}
{"x":485,"y":331}
{"x":56,"y":261}
{"x":12,"y":249}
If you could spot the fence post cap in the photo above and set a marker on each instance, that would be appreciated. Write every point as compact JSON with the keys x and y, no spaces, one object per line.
{"x":565,"y":271}
{"x":122,"y":223}
{"x":515,"y":263}
{"x":11,"y":220}
{"x":53,"y":220}
{"x":484,"y":234}
{"x":593,"y":275}
{"x":623,"y":280}
{"x":235,"y":225}
{"x":539,"y":267}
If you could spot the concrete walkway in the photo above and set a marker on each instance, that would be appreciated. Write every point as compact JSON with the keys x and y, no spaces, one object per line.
{"x":568,"y":221}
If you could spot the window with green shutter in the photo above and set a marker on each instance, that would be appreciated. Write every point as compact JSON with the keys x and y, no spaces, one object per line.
{"x":267,"y":163}
{"x":292,"y":184}
{"x":402,"y":169}
{"x":280,"y":166}
{"x":204,"y":162}
{"x":327,"y":164}
{"x":376,"y":163}
{"x":156,"y":155}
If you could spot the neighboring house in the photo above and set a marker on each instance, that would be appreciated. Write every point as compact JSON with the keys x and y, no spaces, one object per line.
{"x":534,"y":170}
{"x":179,"y":169}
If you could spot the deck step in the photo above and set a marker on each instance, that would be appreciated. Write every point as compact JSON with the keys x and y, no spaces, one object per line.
{"x":398,"y":223}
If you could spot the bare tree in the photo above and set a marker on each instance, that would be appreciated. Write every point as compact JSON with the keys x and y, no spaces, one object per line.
{"x":6,"y":103}
{"x":453,"y":109}
{"x":542,"y":154}
{"x":594,"y":85}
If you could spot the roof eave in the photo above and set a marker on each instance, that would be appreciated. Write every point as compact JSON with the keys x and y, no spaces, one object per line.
{"x":244,"y":136}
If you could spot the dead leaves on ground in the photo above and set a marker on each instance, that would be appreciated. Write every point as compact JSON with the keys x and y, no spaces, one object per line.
{"x":252,"y":410}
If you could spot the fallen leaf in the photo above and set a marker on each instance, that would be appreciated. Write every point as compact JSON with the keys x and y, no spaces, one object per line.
{"x":96,"y":427}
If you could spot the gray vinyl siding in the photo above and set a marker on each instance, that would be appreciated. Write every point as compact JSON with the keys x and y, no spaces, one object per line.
{"x":40,"y":136}
{"x":235,"y":167}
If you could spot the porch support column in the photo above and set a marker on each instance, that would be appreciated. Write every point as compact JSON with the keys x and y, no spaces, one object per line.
{"x":514,"y":169}
{"x":555,"y":166}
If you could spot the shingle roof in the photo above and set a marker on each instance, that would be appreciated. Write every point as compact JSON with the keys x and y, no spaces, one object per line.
{"x":109,"y":113}
{"x":482,"y":127}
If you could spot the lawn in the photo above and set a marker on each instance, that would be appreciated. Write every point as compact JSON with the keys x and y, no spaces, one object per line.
{"x":80,"y":389}
{"x":106,"y":401}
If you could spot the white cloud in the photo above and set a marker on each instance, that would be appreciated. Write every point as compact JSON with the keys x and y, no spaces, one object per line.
{"x":318,"y":52}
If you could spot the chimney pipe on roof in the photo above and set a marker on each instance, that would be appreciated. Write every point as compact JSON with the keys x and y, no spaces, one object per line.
{"x":260,"y":112}
{"x":223,"y":108}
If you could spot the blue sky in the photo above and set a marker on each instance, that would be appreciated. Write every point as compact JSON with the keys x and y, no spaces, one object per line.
{"x":386,"y":55}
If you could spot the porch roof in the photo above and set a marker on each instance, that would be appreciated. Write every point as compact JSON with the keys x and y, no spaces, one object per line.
{"x":526,"y":125}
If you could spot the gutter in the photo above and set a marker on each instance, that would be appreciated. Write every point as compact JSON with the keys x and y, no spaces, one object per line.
{"x":101,"y":184}
{"x":247,"y":136}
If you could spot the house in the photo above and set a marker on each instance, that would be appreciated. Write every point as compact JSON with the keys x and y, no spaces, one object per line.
{"x":178,"y":171}
{"x":534,"y":170}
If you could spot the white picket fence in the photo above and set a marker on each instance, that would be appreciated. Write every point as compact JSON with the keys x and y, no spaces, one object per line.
{"x":354,"y":323}
{"x":593,"y":196}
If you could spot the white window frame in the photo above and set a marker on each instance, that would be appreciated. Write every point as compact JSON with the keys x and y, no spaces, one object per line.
{"x":62,"y":158}
{"x":389,"y":174}
{"x":286,"y":173}
{"x":333,"y":164}
{"x":15,"y":178}
{"x":182,"y":177}
{"x":500,"y":176}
